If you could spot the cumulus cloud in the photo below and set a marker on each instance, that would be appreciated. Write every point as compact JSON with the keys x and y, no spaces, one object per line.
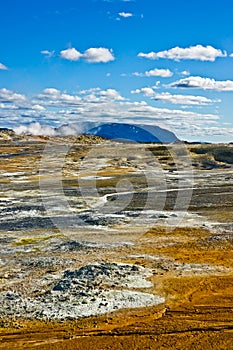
{"x":204,"y":83}
{"x":10,"y":96}
{"x":7,"y":106}
{"x":54,"y":97}
{"x":147,"y":91}
{"x":99,"y":54}
{"x":14,"y":106}
{"x":38,"y":108}
{"x":3,"y":67}
{"x":70,"y":54}
{"x":47,"y":53}
{"x":111,"y":94}
{"x":164,"y":73}
{"x":175,"y":99}
{"x":198,"y":52}
{"x":91,"y":55}
{"x":125,"y":14}
{"x":184,"y":99}
{"x":231,"y":55}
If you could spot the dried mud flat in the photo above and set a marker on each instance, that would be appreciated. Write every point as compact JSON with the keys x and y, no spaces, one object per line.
{"x":115,"y":279}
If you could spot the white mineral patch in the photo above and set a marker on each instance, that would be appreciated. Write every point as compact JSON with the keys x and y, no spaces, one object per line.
{"x":21,"y":214}
{"x":91,"y":290}
{"x":21,"y":180}
{"x":92,"y":177}
{"x":61,"y":306}
{"x":17,"y":173}
{"x":108,"y":301}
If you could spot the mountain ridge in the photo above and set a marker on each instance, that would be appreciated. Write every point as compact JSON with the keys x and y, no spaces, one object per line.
{"x":141,"y":133}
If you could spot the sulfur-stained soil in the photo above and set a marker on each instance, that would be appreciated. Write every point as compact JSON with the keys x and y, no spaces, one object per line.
{"x":204,"y":320}
{"x":189,"y":267}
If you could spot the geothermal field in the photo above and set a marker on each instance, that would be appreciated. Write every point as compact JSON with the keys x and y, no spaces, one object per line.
{"x":115,"y":245}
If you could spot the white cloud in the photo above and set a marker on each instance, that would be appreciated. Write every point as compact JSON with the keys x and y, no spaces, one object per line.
{"x":149,"y":92}
{"x":122,"y":111}
{"x":108,"y":105}
{"x":185,"y":72}
{"x":17,"y":104}
{"x":91,"y":55}
{"x":54,"y":107}
{"x":175,"y":99}
{"x":53,"y":97}
{"x":51,"y":91}
{"x":7,"y":106}
{"x":56,"y":97}
{"x":10,"y":96}
{"x":164,"y":73}
{"x":70,"y":54}
{"x":38,"y":108}
{"x":99,"y":54}
{"x":3,"y":67}
{"x":204,"y":83}
{"x":231,"y":55}
{"x":198,"y":52}
{"x":157,"y":84}
{"x":125,"y":14}
{"x":111,"y":94}
{"x":48,"y":53}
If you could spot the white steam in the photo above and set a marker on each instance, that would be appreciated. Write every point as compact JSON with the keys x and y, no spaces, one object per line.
{"x":37,"y":129}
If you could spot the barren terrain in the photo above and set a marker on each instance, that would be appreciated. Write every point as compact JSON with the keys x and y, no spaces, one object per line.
{"x":115,"y":246}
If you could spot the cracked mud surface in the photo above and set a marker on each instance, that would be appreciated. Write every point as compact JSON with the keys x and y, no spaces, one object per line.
{"x":119,"y":280}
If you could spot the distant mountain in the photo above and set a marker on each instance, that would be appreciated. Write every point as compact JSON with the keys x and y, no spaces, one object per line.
{"x":112,"y":131}
{"x":134,"y":133}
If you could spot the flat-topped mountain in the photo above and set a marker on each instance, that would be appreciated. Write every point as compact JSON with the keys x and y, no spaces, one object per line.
{"x":120,"y":131}
{"x":135,"y":133}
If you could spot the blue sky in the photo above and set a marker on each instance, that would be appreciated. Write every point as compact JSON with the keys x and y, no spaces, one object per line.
{"x":162,"y":62}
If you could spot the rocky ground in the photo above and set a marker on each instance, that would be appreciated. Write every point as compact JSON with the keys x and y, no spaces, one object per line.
{"x":122,"y":246}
